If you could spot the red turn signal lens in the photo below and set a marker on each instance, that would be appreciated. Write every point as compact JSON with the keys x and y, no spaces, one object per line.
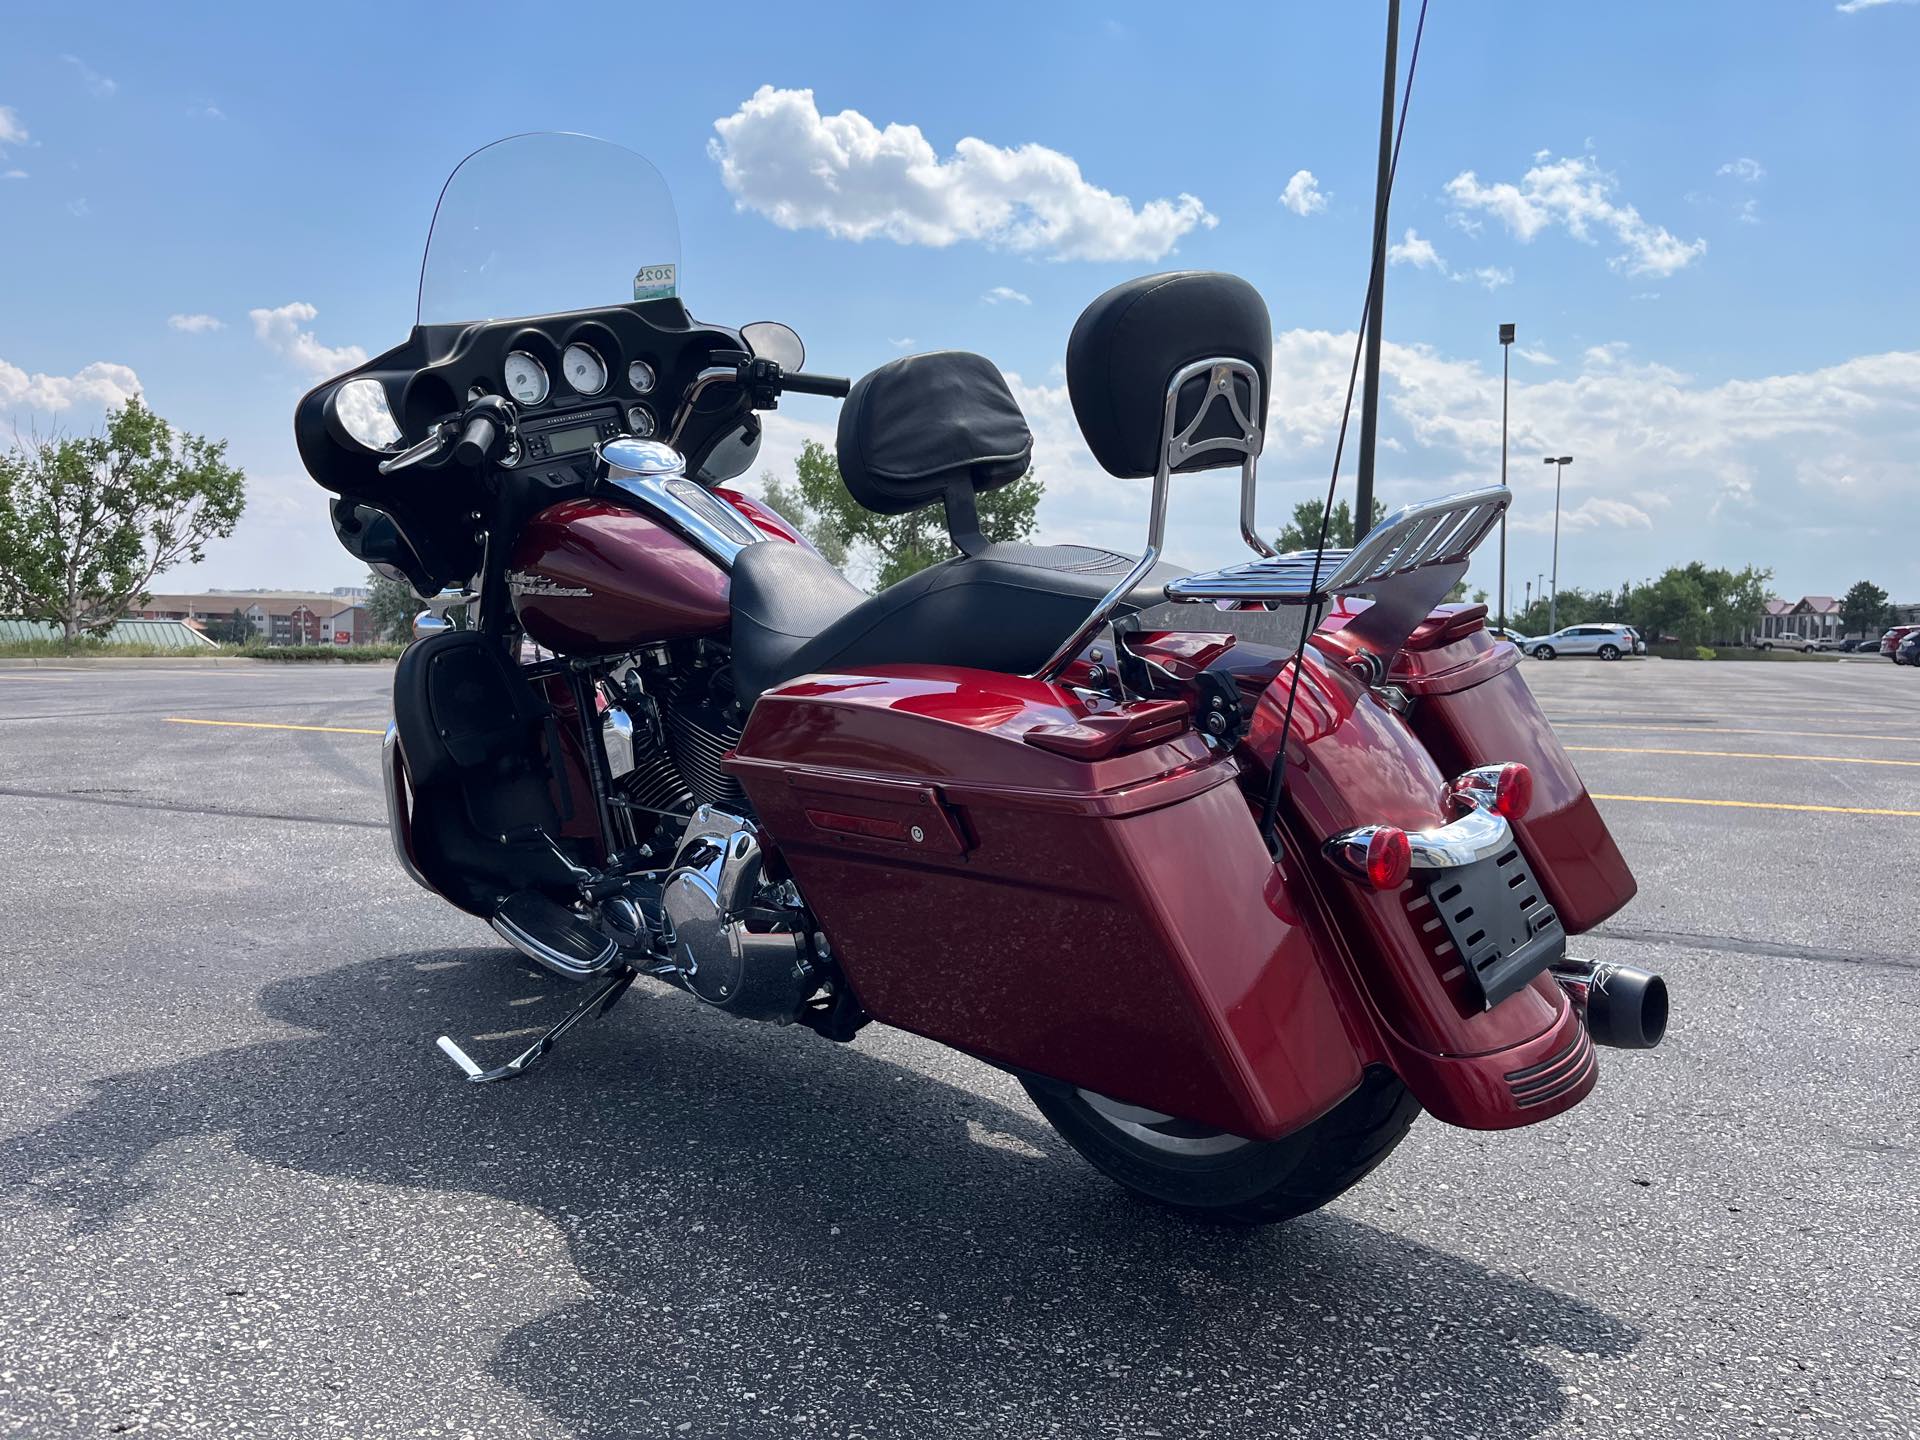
{"x":1513,"y":791}
{"x":1389,"y":858}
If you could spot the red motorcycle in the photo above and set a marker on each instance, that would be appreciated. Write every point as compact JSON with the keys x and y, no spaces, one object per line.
{"x":1236,"y":872}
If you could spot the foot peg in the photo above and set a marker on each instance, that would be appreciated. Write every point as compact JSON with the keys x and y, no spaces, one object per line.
{"x":595,"y":1005}
{"x":552,"y":935}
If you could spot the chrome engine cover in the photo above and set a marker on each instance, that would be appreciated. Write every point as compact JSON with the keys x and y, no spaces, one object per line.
{"x":716,"y":876}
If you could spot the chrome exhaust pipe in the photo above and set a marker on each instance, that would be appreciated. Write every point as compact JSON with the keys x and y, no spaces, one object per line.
{"x":1622,"y":1006}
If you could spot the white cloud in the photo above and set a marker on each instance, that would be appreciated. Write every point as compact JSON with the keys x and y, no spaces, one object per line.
{"x":904,"y":342}
{"x":1303,"y":195}
{"x":780,"y":156}
{"x":1538,"y":357}
{"x":13,"y":175}
{"x":1750,"y":212}
{"x":1006,"y":294}
{"x":1412,"y":250}
{"x":1854,"y":7}
{"x":1594,"y":513}
{"x":1667,"y":468}
{"x":1494,"y":276}
{"x":196,"y":324}
{"x":102,"y":384}
{"x":1744,"y":169}
{"x":207,"y":112}
{"x":279,"y":330}
{"x":99,"y":86}
{"x":79,"y":209}
{"x":1575,"y":193}
{"x":13,"y":130}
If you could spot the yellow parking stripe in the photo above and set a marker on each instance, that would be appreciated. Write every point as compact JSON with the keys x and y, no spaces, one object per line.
{"x":1759,"y":805}
{"x":1739,"y":755}
{"x":265,"y":725}
{"x":1717,"y":730}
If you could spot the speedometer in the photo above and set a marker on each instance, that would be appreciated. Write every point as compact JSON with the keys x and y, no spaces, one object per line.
{"x":526,"y":378}
{"x":583,"y":369}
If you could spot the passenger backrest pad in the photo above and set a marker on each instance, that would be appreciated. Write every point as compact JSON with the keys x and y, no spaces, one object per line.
{"x":914,"y":427}
{"x":1128,"y":345}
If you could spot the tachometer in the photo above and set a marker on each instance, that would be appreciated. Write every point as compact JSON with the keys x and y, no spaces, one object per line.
{"x":640,"y":376}
{"x":583,"y":369}
{"x":526,"y":378}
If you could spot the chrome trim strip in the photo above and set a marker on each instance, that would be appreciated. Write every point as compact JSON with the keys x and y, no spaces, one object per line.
{"x":709,"y":523}
{"x":397,"y":818}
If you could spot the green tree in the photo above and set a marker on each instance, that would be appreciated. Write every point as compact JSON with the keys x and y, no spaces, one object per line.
{"x":787,"y":500}
{"x":391,"y":606}
{"x":903,"y":543}
{"x":87,"y":523}
{"x":1864,"y":608}
{"x":1304,"y":532}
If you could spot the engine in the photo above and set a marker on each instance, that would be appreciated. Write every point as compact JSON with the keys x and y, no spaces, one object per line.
{"x":726,"y":941}
{"x":731,"y":938}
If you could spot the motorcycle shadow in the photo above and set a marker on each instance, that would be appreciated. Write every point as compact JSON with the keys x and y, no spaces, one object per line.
{"x":777,"y":1233}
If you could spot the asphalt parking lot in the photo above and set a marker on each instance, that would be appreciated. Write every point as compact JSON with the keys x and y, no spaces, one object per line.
{"x":241,"y":1193}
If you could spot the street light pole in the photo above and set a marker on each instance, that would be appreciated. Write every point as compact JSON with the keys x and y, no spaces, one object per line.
{"x":1560,"y":463}
{"x":1506,"y":343}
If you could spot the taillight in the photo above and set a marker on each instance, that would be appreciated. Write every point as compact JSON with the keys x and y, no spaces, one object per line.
{"x":1513,"y":791}
{"x":1389,"y":858}
{"x":1506,"y":790}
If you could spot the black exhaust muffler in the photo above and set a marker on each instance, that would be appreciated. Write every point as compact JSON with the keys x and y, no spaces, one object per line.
{"x":1622,"y":1006}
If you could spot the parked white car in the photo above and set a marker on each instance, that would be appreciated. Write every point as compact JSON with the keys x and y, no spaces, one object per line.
{"x":1609,"y":642}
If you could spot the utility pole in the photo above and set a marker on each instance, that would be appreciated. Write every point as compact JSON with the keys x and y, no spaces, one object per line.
{"x":1506,"y":346}
{"x":1377,"y":282}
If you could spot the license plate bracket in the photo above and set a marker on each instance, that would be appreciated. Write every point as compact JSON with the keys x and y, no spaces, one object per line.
{"x":1500,"y":922}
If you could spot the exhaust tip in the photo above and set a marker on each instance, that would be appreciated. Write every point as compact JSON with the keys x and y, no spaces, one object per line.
{"x":1627,"y":1008}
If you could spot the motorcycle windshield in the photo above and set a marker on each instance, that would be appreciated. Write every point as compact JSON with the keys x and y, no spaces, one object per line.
{"x":541,"y":223}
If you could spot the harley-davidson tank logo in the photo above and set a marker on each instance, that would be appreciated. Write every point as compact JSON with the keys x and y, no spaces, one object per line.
{"x":522,"y":583}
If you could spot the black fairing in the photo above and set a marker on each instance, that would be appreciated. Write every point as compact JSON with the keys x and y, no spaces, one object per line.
{"x":917,"y":426}
{"x":477,"y":740}
{"x":431,"y":534}
{"x":1129,"y":343}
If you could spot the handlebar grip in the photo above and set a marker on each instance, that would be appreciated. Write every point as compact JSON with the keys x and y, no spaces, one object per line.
{"x":800,"y":383}
{"x":476,"y":443}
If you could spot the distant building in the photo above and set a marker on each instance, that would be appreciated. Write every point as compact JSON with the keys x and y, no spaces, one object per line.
{"x":278,"y":617}
{"x":1811,"y":617}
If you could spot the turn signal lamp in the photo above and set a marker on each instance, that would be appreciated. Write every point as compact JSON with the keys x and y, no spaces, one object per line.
{"x":1389,"y":858}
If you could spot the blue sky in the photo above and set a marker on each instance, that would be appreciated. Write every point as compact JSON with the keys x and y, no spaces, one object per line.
{"x":1701,"y":217}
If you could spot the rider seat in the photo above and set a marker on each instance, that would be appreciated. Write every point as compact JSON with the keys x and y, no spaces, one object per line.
{"x":932,"y":427}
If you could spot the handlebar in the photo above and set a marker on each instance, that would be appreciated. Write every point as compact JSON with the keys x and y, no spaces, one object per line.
{"x":801,"y":383}
{"x":476,"y":443}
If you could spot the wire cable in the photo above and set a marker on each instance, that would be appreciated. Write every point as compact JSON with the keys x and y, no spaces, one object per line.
{"x":1276,"y":779}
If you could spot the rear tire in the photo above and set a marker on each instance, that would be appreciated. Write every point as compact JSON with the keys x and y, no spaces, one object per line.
{"x":1609,"y":652}
{"x":1210,"y":1175}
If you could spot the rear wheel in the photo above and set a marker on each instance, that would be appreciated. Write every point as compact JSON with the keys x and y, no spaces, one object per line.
{"x":1609,"y":652}
{"x":1211,"y":1175}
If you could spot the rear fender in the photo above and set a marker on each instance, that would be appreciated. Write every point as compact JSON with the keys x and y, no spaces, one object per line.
{"x":1351,"y":762}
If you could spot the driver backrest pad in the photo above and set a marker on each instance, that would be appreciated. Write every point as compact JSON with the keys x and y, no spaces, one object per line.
{"x":919,"y":427}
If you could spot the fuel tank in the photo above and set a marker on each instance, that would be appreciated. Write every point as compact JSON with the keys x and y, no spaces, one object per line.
{"x":591,"y":578}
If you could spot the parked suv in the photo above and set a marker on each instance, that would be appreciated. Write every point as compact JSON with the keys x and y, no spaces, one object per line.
{"x":1890,"y":642}
{"x":1609,"y":642}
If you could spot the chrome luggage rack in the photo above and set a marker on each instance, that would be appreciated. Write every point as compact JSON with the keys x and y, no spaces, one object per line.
{"x":1432,"y":533}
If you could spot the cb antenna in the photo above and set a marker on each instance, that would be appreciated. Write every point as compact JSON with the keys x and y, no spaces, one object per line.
{"x":1377,"y":283}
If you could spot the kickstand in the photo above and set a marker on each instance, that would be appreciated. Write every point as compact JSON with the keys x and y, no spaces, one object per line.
{"x":595,"y":1005}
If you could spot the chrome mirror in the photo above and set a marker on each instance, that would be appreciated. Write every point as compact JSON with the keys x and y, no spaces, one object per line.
{"x":364,"y":414}
{"x":770,"y":340}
